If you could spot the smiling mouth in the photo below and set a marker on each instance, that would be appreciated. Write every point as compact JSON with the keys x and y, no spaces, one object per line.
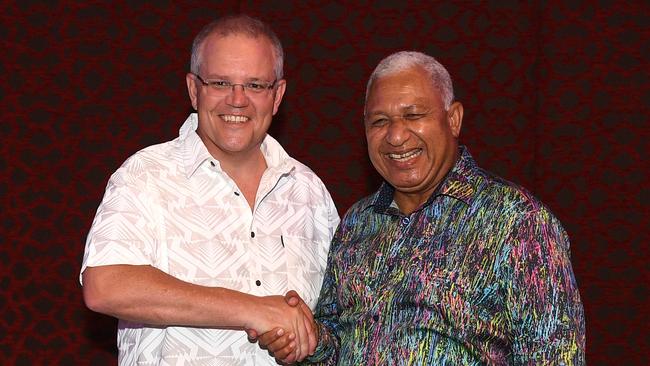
{"x":232,"y":118}
{"x":405,"y":156}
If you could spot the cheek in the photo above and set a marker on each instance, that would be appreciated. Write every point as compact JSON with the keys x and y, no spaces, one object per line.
{"x":207,"y":104}
{"x":264,"y":111}
{"x":373,"y":148}
{"x":373,"y":138}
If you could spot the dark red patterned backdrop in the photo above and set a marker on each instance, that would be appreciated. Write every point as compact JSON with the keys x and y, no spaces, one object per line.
{"x":556,"y":98}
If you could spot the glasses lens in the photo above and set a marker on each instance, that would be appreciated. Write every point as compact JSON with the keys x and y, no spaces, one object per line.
{"x":223,"y":87}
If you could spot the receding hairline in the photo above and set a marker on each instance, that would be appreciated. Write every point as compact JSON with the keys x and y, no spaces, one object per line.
{"x":218,"y":35}
{"x":233,"y":25}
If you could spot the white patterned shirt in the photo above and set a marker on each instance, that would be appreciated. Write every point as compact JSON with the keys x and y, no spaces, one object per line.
{"x":171,"y":206}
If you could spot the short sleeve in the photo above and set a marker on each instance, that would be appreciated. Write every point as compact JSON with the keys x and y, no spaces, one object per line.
{"x":124,"y":229}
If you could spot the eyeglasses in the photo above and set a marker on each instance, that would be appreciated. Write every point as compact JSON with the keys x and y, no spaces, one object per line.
{"x":223,"y":87}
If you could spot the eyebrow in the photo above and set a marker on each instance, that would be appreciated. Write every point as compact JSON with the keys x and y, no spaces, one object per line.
{"x":406,"y":108}
{"x":222,"y":77}
{"x":414,"y":107}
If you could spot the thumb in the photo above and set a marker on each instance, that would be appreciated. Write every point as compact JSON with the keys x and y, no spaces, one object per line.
{"x":292,"y":298}
{"x":252,"y":335}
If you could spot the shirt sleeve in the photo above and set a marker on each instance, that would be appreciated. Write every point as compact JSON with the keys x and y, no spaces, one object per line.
{"x":327,"y":315}
{"x":123,"y":230}
{"x":546,"y":314}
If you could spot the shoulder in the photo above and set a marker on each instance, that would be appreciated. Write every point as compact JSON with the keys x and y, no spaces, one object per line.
{"x":504,"y":195}
{"x":360,"y":209}
{"x":304,"y":175}
{"x":147,"y":162}
{"x":509,"y":205}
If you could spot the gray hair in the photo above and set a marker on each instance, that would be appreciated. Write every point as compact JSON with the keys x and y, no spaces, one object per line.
{"x":237,"y":24}
{"x":403,"y":60}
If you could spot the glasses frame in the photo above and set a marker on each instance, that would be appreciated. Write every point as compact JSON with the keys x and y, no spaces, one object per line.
{"x":212,"y":85}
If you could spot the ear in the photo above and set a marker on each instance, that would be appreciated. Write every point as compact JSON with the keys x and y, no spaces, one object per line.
{"x":455,"y":118}
{"x":279,"y":93}
{"x":192,"y":89}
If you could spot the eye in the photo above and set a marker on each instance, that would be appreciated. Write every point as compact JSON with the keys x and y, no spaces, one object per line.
{"x":378,"y":122}
{"x":257,"y":87}
{"x":413,"y":116}
{"x":221,"y":84}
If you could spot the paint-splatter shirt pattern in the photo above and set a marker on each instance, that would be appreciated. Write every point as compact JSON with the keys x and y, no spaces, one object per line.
{"x":479,"y":274}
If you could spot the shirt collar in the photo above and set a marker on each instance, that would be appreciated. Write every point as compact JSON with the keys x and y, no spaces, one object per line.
{"x":194,"y":153}
{"x":457,"y":184}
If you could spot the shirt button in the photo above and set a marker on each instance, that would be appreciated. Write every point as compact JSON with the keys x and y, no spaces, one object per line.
{"x":405,"y":221}
{"x":252,"y":234}
{"x":375,"y":317}
{"x":236,"y":193}
{"x":258,"y":283}
{"x":212,"y":163}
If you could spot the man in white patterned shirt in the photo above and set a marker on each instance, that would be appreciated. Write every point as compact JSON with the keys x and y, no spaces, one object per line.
{"x":196,"y":238}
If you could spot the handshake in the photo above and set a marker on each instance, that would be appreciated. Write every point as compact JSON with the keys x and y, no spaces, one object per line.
{"x":286,"y":329}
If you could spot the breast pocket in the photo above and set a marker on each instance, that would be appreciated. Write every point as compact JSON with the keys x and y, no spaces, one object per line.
{"x":306,"y":261}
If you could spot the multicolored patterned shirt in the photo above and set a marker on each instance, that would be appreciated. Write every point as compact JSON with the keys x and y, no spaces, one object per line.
{"x":479,"y":274}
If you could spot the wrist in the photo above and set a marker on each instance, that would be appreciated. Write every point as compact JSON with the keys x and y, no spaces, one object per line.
{"x":251,"y":312}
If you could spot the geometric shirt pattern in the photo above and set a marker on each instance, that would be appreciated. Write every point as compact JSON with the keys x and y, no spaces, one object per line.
{"x":480,"y":274}
{"x":171,"y":206}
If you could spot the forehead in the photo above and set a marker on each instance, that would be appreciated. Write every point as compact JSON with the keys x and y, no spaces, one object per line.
{"x":401,"y":89}
{"x":237,"y":54}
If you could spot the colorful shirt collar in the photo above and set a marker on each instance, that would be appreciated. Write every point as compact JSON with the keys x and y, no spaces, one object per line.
{"x":456,"y":184}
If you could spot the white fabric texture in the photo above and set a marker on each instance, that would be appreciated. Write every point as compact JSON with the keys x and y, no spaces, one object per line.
{"x":172,"y":207}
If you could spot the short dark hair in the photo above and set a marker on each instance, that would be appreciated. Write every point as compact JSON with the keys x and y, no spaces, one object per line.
{"x":237,"y":24}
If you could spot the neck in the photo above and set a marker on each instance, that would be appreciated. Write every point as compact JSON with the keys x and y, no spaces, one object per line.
{"x":409,"y":202}
{"x":245,"y":169}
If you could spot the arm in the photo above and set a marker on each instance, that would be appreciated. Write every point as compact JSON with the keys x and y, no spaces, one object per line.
{"x":120,"y":279}
{"x":147,"y":295}
{"x":542,"y":295}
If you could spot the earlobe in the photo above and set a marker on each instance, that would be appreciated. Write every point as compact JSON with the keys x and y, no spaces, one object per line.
{"x":192,"y":89}
{"x":455,"y":118}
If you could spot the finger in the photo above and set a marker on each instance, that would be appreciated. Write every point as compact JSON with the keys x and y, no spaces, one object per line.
{"x":307,"y":311}
{"x":289,"y":360}
{"x":286,"y":354}
{"x":310,"y":325}
{"x":309,"y":336}
{"x":269,"y":337}
{"x":303,"y":337}
{"x":313,"y":339}
{"x":281,"y":343}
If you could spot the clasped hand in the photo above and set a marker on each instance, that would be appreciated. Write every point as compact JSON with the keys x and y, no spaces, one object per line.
{"x":290,"y":332}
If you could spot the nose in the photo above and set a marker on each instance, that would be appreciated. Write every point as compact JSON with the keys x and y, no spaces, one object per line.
{"x":397,"y":132}
{"x":237,"y":97}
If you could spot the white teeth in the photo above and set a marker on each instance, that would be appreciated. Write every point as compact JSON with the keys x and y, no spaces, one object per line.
{"x":234,"y":118}
{"x":406,"y":155}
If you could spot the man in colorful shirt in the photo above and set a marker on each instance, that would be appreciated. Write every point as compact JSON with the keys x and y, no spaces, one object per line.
{"x":446,"y":264}
{"x":197,"y":238}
